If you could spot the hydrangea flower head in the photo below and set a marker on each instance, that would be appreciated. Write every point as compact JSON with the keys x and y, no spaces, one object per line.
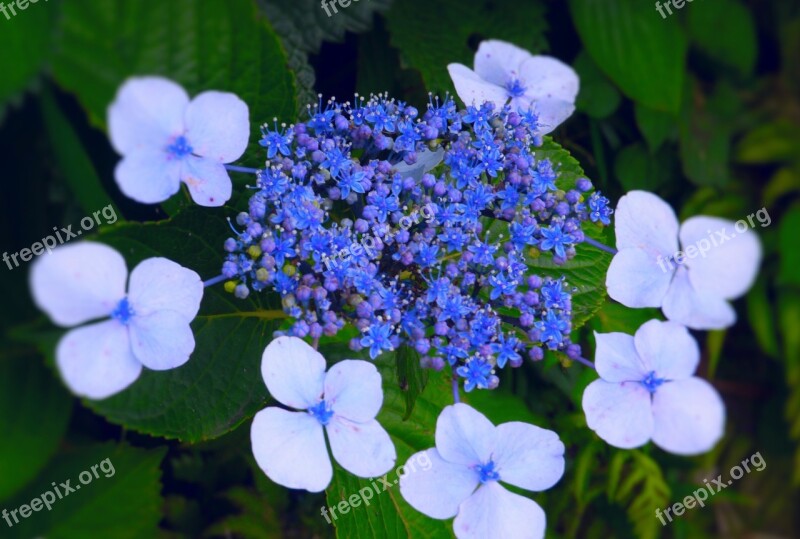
{"x":166,"y":139}
{"x":506,"y":73}
{"x":290,"y":445}
{"x":147,"y":326}
{"x":694,"y":291}
{"x":647,"y":391}
{"x":471,"y":459}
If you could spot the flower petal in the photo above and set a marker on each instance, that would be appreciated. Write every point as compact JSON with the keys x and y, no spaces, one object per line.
{"x":438,"y":490}
{"x":527,"y":456}
{"x":294,"y":372}
{"x":218,"y":126}
{"x":473,"y":90}
{"x":668,"y":349}
{"x":637,"y":279}
{"x":695,"y":309}
{"x":353,"y":390}
{"x":78,"y":282}
{"x":208,"y":181}
{"x":727,"y":269}
{"x":619,"y":412}
{"x":161,"y":340}
{"x":550,"y":112}
{"x":145,"y":113}
{"x":363,"y":449}
{"x":546,"y":77}
{"x":464,"y":435}
{"x":290,"y":448}
{"x":644,"y":221}
{"x":495,"y":512}
{"x":161,"y":284}
{"x":426,"y":161}
{"x":96,"y":361}
{"x":689,"y":416}
{"x":147,"y":176}
{"x":498,"y":62}
{"x":616,"y":358}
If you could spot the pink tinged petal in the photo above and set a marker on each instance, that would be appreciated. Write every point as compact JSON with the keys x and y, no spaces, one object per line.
{"x":290,"y":448}
{"x":96,"y":361}
{"x":439,"y":488}
{"x":727,"y":269}
{"x":498,"y":61}
{"x":620,"y":413}
{"x":464,"y":435}
{"x":78,"y":282}
{"x":638,"y":279}
{"x":146,"y":113}
{"x":363,"y":449}
{"x":161,"y":340}
{"x":644,"y":221}
{"x":161,"y":284}
{"x":294,"y":372}
{"x":495,"y":512}
{"x":473,"y":90}
{"x":616,"y":358}
{"x":353,"y":390}
{"x":208,"y":181}
{"x":218,"y":126}
{"x":689,"y":416}
{"x":148,"y":176}
{"x":550,"y":112}
{"x":527,"y":456}
{"x":546,"y":77}
{"x":694,"y":308}
{"x":668,"y":349}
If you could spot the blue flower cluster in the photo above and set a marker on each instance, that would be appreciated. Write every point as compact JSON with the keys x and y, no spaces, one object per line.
{"x":415,"y":230}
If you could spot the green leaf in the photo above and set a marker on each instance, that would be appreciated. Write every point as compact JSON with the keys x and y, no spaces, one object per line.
{"x":410,"y":376}
{"x":388,"y":516}
{"x":773,"y":142}
{"x":656,"y":126}
{"x":74,"y":163}
{"x":790,"y":247}
{"x":597,"y":97}
{"x":643,"y":54}
{"x":762,"y":317}
{"x":636,"y":481}
{"x":26,"y":42}
{"x":213,"y":45}
{"x":221,"y":385}
{"x":34,"y":412}
{"x":452,"y":32}
{"x":616,"y":317}
{"x":121,"y":500}
{"x":636,"y":168}
{"x":725,"y":30}
{"x":705,"y":142}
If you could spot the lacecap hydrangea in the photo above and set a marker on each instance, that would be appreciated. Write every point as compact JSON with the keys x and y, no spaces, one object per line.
{"x":415,"y":229}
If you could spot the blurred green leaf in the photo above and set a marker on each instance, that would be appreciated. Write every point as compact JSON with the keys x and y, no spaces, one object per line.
{"x":636,"y":481}
{"x":773,"y":142}
{"x":213,"y":45}
{"x":785,"y":181}
{"x":789,"y":241}
{"x":656,"y":126}
{"x":643,"y":54}
{"x":122,"y":502}
{"x":726,"y":32}
{"x":636,"y":168}
{"x":598,"y":97}
{"x":410,"y":376}
{"x":762,"y":318}
{"x":452,"y":32}
{"x":34,"y":412}
{"x":220,"y":386}
{"x":715,"y":340}
{"x":705,"y":142}
{"x":615,"y":317}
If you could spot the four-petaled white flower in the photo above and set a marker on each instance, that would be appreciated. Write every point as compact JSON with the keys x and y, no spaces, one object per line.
{"x":695,"y":292}
{"x":647,"y":391}
{"x":470,"y":459}
{"x":165,"y":139}
{"x":290,"y":446}
{"x":506,"y":72}
{"x":148,"y":326}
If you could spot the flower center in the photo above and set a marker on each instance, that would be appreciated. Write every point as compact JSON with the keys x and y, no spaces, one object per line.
{"x":486,"y":472}
{"x":123,"y":311}
{"x":321,"y":412}
{"x":651,"y":383}
{"x":179,"y":148}
{"x":515,"y":88}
